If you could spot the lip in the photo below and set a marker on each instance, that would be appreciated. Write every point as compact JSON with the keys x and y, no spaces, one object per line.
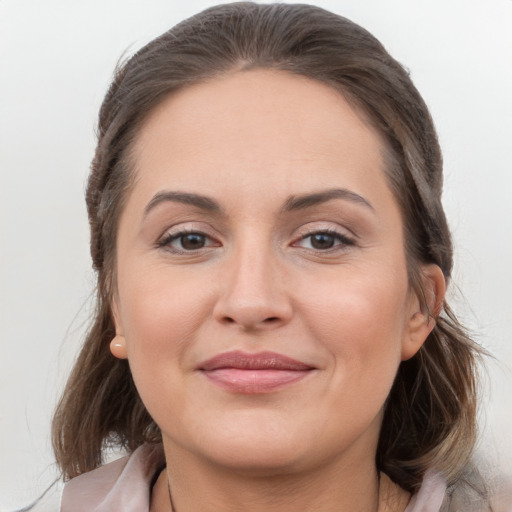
{"x":245,"y":373}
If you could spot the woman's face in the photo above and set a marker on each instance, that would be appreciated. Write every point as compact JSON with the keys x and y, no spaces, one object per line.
{"x":262,"y":285}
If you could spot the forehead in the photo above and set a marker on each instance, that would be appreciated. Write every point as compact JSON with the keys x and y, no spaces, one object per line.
{"x":261,"y":129}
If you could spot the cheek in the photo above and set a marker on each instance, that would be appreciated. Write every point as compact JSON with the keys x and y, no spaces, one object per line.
{"x":160,"y":312}
{"x":360,"y":318}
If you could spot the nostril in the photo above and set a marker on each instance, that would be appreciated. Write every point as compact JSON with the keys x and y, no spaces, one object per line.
{"x":272,"y":319}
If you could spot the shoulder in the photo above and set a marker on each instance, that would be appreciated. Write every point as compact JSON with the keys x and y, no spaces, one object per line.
{"x":431,"y":495}
{"x":104,"y":489}
{"x":480,"y":488}
{"x":470,"y":493}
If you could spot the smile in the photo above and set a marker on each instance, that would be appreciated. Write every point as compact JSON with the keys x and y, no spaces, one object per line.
{"x":259,"y":373}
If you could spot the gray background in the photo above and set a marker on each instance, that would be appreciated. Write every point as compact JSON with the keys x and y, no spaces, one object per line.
{"x":56,"y":60}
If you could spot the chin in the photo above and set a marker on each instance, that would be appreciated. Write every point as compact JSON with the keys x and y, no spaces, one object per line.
{"x":265,"y":459}
{"x":257,"y":444}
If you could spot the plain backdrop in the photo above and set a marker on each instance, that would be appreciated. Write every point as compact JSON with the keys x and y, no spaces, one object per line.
{"x":56,"y":60}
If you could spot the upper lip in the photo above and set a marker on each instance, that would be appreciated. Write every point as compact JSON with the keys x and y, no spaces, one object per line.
{"x":258,"y":361}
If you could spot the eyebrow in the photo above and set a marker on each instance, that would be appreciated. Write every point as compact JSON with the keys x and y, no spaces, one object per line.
{"x":198,"y":200}
{"x":307,"y":200}
{"x":292,"y":203}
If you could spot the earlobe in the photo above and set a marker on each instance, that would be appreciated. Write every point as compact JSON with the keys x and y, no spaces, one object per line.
{"x":118,"y":347}
{"x":422,"y":317}
{"x":118,"y":344}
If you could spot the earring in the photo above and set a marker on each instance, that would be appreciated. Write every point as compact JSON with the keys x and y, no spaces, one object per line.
{"x":118,"y":347}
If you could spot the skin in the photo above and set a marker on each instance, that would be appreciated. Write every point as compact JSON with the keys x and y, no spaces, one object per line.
{"x":250,"y":141}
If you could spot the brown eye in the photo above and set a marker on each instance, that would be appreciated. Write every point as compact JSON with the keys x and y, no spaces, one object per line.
{"x":187,"y":241}
{"x":322,"y":241}
{"x":192,"y":241}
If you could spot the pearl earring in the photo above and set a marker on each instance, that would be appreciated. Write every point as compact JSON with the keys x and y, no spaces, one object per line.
{"x":118,"y":347}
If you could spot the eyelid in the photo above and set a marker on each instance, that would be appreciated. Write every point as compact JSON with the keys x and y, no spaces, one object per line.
{"x":344,"y":239}
{"x":188,"y":227}
{"x":175,"y":232}
{"x":333,"y":228}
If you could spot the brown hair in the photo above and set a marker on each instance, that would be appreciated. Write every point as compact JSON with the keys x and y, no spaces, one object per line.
{"x":429,"y":418}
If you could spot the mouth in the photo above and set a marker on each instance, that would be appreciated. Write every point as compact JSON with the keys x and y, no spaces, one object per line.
{"x":244,"y":373}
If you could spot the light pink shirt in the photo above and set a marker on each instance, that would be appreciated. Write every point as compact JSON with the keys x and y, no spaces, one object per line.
{"x":125,"y":485}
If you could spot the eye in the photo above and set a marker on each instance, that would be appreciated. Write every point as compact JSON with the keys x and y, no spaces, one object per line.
{"x":324,"y":241}
{"x":186,"y":241}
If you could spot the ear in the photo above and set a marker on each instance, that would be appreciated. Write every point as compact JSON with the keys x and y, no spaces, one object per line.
{"x":118,"y":344}
{"x":421,"y":318}
{"x":118,"y":347}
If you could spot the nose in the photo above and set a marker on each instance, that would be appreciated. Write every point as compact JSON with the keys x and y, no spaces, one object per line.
{"x":254,"y":293}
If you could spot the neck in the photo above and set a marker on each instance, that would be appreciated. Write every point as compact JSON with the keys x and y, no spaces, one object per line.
{"x":203,"y":487}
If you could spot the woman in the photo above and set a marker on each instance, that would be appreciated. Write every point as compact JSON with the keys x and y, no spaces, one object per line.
{"x":272,"y":258}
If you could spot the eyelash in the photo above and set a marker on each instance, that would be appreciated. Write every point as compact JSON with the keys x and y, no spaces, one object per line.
{"x":167,"y":240}
{"x":343,"y":241}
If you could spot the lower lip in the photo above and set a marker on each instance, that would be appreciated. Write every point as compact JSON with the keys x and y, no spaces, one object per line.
{"x":254,"y":381}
